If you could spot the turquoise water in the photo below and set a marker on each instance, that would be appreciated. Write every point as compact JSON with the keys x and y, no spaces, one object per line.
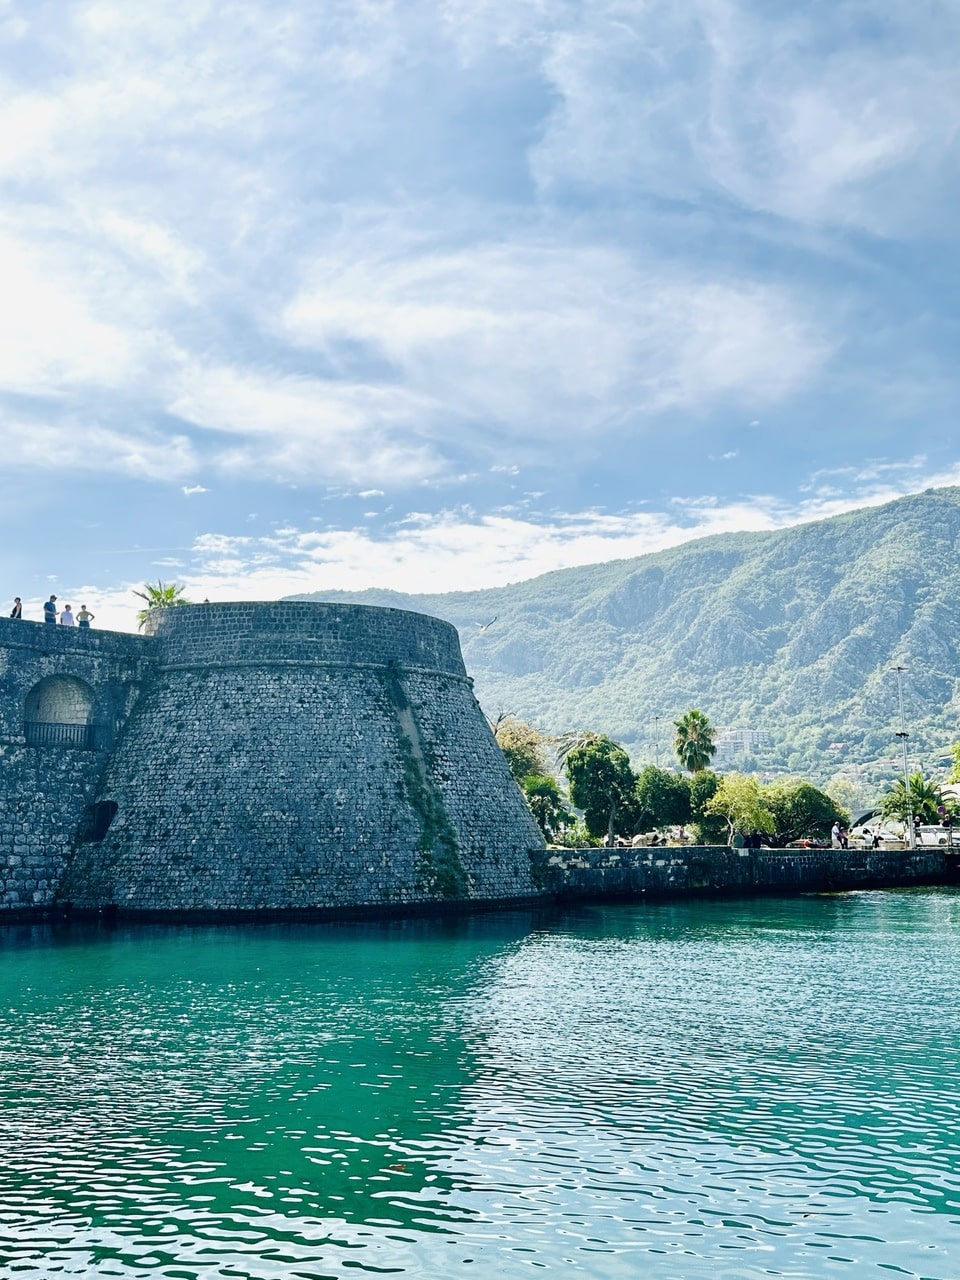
{"x":740,"y":1090}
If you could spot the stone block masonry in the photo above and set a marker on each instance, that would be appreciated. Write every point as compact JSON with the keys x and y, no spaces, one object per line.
{"x":264,"y":758}
{"x":711,"y":871}
{"x":64,"y":696}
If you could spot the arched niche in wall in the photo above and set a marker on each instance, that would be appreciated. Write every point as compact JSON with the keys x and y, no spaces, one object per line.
{"x":59,"y":711}
{"x":96,"y":821}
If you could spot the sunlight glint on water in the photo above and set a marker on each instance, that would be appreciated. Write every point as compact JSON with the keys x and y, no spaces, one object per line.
{"x":713,"y":1089}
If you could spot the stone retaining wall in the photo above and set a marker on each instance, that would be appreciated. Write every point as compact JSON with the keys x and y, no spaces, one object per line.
{"x":711,"y":870}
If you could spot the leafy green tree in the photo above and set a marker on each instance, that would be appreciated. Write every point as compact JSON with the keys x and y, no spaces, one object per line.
{"x":711,"y":828}
{"x":602,"y":785}
{"x":663,"y":799}
{"x":801,"y":811}
{"x":694,"y":742}
{"x":165,"y":595}
{"x":955,"y":771}
{"x":924,"y":800}
{"x":547,"y":803}
{"x":739,"y":802}
{"x":523,"y":746}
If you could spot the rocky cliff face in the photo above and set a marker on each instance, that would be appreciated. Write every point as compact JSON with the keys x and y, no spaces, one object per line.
{"x":794,"y":632}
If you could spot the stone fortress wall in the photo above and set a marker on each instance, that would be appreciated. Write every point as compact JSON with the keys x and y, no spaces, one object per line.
{"x":64,"y":696}
{"x":275,"y":757}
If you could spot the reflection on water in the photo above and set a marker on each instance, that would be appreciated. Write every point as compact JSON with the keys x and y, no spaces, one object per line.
{"x":707,"y":1089}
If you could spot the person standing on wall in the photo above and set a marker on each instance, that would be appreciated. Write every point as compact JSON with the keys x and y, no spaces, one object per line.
{"x":66,"y":618}
{"x":17,"y":610}
{"x":50,"y":610}
{"x":84,"y":618}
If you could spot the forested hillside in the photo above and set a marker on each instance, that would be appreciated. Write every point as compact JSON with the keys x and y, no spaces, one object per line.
{"x":794,"y":632}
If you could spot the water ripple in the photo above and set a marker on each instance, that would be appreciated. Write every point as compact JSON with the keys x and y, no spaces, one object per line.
{"x":724,"y":1090}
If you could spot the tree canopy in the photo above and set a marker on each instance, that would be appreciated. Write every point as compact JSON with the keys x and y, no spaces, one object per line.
{"x":547,"y":803}
{"x":602,"y":785}
{"x":523,"y":746}
{"x":694,"y":741}
{"x":740,"y":802}
{"x":663,"y":799}
{"x":703,"y":787}
{"x":568,"y":741}
{"x":801,"y":811}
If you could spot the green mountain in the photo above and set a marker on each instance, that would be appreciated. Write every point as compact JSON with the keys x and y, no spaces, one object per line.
{"x":792,"y":635}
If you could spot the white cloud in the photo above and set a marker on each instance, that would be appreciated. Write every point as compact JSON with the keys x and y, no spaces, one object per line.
{"x":461,"y":551}
{"x":337,"y":241}
{"x":51,"y":335}
{"x":553,"y":337}
{"x":291,"y":427}
{"x":809,"y":113}
{"x":84,"y":445}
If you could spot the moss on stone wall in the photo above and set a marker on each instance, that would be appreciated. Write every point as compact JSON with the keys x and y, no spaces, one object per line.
{"x":440,"y":867}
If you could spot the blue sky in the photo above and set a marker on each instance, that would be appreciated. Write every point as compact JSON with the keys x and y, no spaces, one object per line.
{"x":441,"y":294}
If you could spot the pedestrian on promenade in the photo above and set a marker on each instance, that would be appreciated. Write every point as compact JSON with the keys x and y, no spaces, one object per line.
{"x":17,"y":610}
{"x":84,"y":618}
{"x":66,"y":618}
{"x":50,"y":610}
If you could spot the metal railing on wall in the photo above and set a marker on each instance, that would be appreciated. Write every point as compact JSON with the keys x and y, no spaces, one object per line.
{"x":86,"y":737}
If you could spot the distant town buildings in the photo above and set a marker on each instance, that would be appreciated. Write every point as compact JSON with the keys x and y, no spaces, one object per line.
{"x":737,"y":744}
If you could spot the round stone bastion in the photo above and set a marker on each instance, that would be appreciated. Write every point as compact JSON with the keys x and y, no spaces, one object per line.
{"x":293,"y":757}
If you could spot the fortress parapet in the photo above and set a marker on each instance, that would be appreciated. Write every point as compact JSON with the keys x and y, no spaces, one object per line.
{"x":276,"y":757}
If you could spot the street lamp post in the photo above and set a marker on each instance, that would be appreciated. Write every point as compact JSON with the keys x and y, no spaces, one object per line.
{"x":903,"y":735}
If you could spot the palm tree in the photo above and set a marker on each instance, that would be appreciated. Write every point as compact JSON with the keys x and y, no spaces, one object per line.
{"x":924,"y":800}
{"x":694,"y":743}
{"x":162,"y":596}
{"x":569,"y":741}
{"x":546,"y":802}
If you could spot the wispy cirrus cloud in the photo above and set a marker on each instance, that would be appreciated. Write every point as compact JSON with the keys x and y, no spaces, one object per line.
{"x":546,"y":336}
{"x":816,"y":113}
{"x":93,"y":448}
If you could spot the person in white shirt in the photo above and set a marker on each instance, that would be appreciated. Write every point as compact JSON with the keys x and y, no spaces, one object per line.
{"x":66,"y":618}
